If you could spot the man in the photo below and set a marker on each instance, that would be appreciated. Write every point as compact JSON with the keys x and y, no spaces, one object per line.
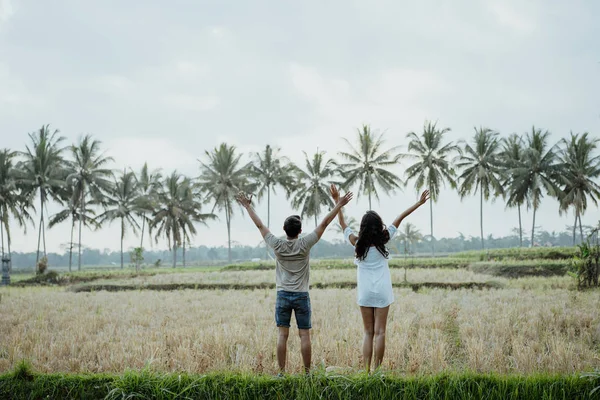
{"x":292,"y":275}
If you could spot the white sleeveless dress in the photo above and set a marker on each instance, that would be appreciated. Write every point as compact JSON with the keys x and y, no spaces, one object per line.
{"x":373,"y":280}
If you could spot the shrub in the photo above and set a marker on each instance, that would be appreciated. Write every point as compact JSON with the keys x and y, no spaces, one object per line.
{"x":522,"y":268}
{"x":42,"y":266}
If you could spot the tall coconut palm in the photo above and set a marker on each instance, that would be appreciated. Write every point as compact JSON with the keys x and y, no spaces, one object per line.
{"x":148,"y":184}
{"x":367,"y":164}
{"x":89,"y":176}
{"x":510,"y":157}
{"x":42,"y":171}
{"x":176,"y":211}
{"x":188,"y":195}
{"x":72,"y":210}
{"x":222,"y":177}
{"x":270,"y":170}
{"x":580,"y":168}
{"x":536,"y":173}
{"x":121,"y":204}
{"x":432,"y":167}
{"x":408,"y":237}
{"x":481,"y":169}
{"x":312,"y":191}
{"x":13,"y":201}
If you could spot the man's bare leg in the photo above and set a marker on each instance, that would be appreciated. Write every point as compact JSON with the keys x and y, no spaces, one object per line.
{"x":305,"y":348}
{"x":381,"y":315}
{"x":368,"y":316}
{"x":282,"y":347}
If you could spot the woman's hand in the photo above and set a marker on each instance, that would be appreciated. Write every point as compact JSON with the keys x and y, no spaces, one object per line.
{"x":334,"y":193}
{"x":424,"y":197}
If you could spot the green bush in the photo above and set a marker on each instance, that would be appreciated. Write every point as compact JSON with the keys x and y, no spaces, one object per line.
{"x":520,"y":253}
{"x":319,"y":385}
{"x":523,"y":268}
{"x":439,"y":262}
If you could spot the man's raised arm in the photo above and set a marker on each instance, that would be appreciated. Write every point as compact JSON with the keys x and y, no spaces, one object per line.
{"x":246,"y":202}
{"x":332,"y":214}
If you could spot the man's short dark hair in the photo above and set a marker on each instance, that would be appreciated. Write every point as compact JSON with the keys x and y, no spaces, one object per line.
{"x":292,"y":226}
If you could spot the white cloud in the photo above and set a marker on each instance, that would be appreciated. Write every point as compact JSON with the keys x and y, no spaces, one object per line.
{"x":508,"y":16}
{"x":6,"y":10}
{"x":158,"y":152}
{"x":189,"y":102}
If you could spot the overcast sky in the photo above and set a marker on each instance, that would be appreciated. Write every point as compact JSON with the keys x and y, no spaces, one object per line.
{"x":164,"y":81}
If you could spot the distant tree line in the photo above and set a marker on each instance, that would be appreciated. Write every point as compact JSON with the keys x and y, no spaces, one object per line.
{"x":154,"y":204}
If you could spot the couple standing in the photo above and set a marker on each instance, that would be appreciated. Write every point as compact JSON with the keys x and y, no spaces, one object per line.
{"x":374,"y":285}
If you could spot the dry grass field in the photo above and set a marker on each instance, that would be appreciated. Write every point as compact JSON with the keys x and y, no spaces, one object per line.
{"x":511,"y":330}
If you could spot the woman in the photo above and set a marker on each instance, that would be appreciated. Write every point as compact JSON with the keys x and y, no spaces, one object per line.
{"x":374,"y":284}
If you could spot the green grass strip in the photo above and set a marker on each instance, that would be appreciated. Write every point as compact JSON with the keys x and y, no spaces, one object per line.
{"x":23,"y":384}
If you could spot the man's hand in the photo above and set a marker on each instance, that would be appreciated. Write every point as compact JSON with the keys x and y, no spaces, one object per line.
{"x":243,"y":199}
{"x":335,"y":195}
{"x":424,"y":197}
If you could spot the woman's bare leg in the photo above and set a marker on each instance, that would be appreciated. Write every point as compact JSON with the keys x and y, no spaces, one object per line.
{"x":381,"y":315}
{"x":368,"y":316}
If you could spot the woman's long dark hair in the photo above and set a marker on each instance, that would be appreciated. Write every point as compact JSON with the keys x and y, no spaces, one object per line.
{"x":372,"y":233}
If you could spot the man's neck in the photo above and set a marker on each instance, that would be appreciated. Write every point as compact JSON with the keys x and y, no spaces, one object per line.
{"x":292,"y":238}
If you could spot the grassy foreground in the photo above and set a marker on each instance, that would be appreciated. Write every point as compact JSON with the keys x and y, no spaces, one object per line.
{"x":24,"y":384}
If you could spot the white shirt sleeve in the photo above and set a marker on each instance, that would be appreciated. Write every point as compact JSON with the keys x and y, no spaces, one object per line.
{"x":392,"y":230}
{"x":347,"y":233}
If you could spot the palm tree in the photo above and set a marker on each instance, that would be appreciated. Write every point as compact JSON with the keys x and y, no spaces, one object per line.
{"x":366,"y":164}
{"x":43,"y":171}
{"x":13,"y":201}
{"x":187,"y":195}
{"x":148,"y":184}
{"x":432,"y":165}
{"x":409,"y":236}
{"x":350,"y":221}
{"x":510,"y":156}
{"x":176,"y":211}
{"x":89,"y":176}
{"x":480,"y":169}
{"x":580,"y":168}
{"x":536,"y":171}
{"x":72,"y":210}
{"x":122,"y":204}
{"x":312,"y":191}
{"x":221,"y":178}
{"x":270,"y":170}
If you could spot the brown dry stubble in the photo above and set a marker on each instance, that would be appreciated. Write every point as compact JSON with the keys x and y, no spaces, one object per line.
{"x":197,"y":331}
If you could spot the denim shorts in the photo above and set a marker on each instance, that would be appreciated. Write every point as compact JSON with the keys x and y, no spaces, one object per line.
{"x":297,"y":301}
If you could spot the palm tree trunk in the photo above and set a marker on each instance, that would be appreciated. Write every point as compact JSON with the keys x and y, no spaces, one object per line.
{"x":184,"y":249}
{"x":122,"y":236}
{"x":574,"y":228}
{"x":174,"y":248}
{"x":268,"y":206}
{"x":533,"y":226}
{"x":143,"y":226}
{"x":82,"y":213}
{"x":520,"y":227}
{"x":481,"y":215}
{"x":431,"y":226}
{"x":37,"y":257}
{"x":71,"y":243}
{"x":370,"y":208}
{"x":580,"y":227}
{"x":228,"y":219}
{"x":2,"y":233}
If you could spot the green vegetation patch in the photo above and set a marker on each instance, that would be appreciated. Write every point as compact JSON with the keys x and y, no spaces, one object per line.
{"x":437,"y":262}
{"x":520,"y":253}
{"x":22,"y":384}
{"x":260,"y":286}
{"x":523,"y":268}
